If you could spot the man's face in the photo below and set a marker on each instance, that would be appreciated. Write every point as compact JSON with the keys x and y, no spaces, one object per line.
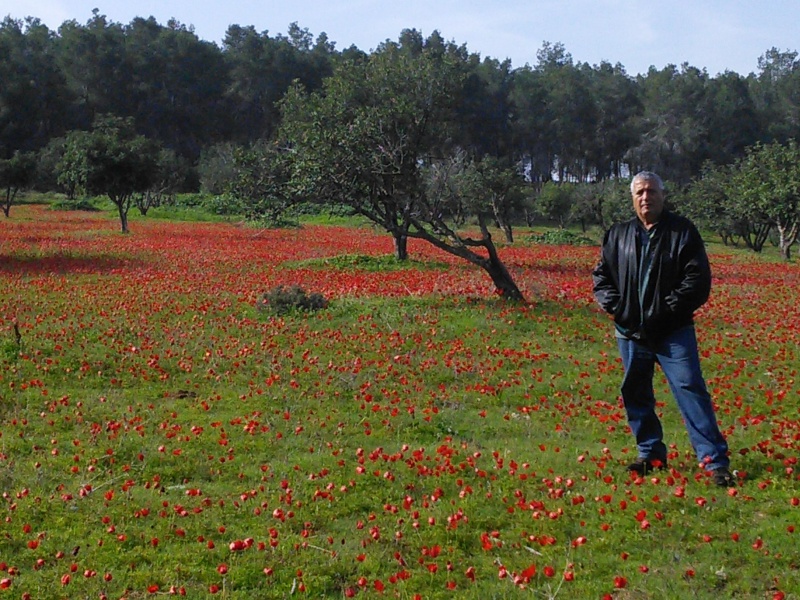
{"x":648,"y":201}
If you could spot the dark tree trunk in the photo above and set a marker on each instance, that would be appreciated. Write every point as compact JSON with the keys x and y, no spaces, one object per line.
{"x":529,"y":218}
{"x":123,"y":220}
{"x":492,"y":264}
{"x":145,"y":202}
{"x":400,"y":245}
{"x":786,"y":237}
{"x":122,"y":204}
{"x":8,"y":201}
{"x":502,"y":279}
{"x":504,"y":226}
{"x":497,"y":269}
{"x":755,"y":235}
{"x":508,"y":232}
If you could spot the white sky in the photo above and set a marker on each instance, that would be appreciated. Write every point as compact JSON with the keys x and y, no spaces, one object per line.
{"x":717,"y":35}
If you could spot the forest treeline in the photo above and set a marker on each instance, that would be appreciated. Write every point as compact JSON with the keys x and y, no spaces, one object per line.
{"x":584,"y":122}
{"x":230,"y":117}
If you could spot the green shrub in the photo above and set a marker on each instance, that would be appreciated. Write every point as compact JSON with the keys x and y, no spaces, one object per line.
{"x":222,"y":205}
{"x":316,"y":209}
{"x":560,"y":237}
{"x":191,"y":200}
{"x":285,"y":299}
{"x":75,"y":204}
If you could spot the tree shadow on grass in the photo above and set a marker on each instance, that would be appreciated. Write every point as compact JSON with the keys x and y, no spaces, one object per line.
{"x":66,"y":265}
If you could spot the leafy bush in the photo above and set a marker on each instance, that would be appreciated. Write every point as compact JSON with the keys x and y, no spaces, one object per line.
{"x":324,"y":210}
{"x":222,"y":205}
{"x":216,"y":168}
{"x":560,"y":237}
{"x":46,"y":161}
{"x":191,"y":200}
{"x":285,"y":299}
{"x":75,"y":204}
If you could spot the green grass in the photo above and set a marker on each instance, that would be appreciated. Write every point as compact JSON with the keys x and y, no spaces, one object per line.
{"x":148,"y":421}
{"x":190,"y":214}
{"x":363,"y":262}
{"x":313,"y":422}
{"x":335,"y":220}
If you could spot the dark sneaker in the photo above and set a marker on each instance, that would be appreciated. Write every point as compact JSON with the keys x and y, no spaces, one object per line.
{"x":723,"y":477}
{"x":643,"y":466}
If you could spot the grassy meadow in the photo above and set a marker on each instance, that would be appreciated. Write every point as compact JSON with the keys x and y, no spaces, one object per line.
{"x":418,"y":438}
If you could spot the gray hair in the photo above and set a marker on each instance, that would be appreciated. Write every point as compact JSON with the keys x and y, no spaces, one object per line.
{"x":647,"y":176}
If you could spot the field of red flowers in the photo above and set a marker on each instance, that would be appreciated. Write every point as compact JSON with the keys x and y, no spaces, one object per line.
{"x":419,"y":438}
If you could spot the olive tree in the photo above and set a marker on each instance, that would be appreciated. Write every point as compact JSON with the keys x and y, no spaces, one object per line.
{"x":768,"y":179}
{"x":367,"y":137}
{"x":109,"y":160}
{"x":16,"y":173}
{"x":169,"y":177}
{"x":711,"y":202}
{"x":756,"y":195}
{"x":488,"y":188}
{"x":259,"y":186}
{"x":500,"y":188}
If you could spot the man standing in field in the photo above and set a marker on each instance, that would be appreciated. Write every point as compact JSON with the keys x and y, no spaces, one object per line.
{"x":652,"y":275}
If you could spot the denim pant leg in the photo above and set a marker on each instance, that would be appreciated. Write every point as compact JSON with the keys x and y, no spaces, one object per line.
{"x":680,"y":361}
{"x":639,"y":400}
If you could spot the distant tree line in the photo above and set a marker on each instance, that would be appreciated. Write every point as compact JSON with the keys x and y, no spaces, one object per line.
{"x":420,"y":135}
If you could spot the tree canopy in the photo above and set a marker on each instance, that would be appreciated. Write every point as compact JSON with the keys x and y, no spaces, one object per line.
{"x":564,"y":119}
{"x":416,"y":129}
{"x":110,"y":160}
{"x":758,"y":193}
{"x":368,"y":136}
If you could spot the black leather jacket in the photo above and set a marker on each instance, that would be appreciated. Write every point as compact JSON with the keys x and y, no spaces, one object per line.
{"x":678,"y":284}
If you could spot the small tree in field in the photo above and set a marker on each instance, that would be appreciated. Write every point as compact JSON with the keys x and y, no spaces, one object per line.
{"x":16,"y":173}
{"x":169,"y":176}
{"x":769,"y":182}
{"x":260,"y":184}
{"x":217,"y":168}
{"x":710,"y":203}
{"x":760,"y":193}
{"x":366,"y":139}
{"x":556,"y":202}
{"x":109,"y":160}
{"x":494,"y":187}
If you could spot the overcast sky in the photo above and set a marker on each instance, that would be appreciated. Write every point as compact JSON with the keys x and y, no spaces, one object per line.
{"x":715,"y":35}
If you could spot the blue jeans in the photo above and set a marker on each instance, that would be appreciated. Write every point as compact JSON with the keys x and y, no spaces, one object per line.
{"x":677,"y":354}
